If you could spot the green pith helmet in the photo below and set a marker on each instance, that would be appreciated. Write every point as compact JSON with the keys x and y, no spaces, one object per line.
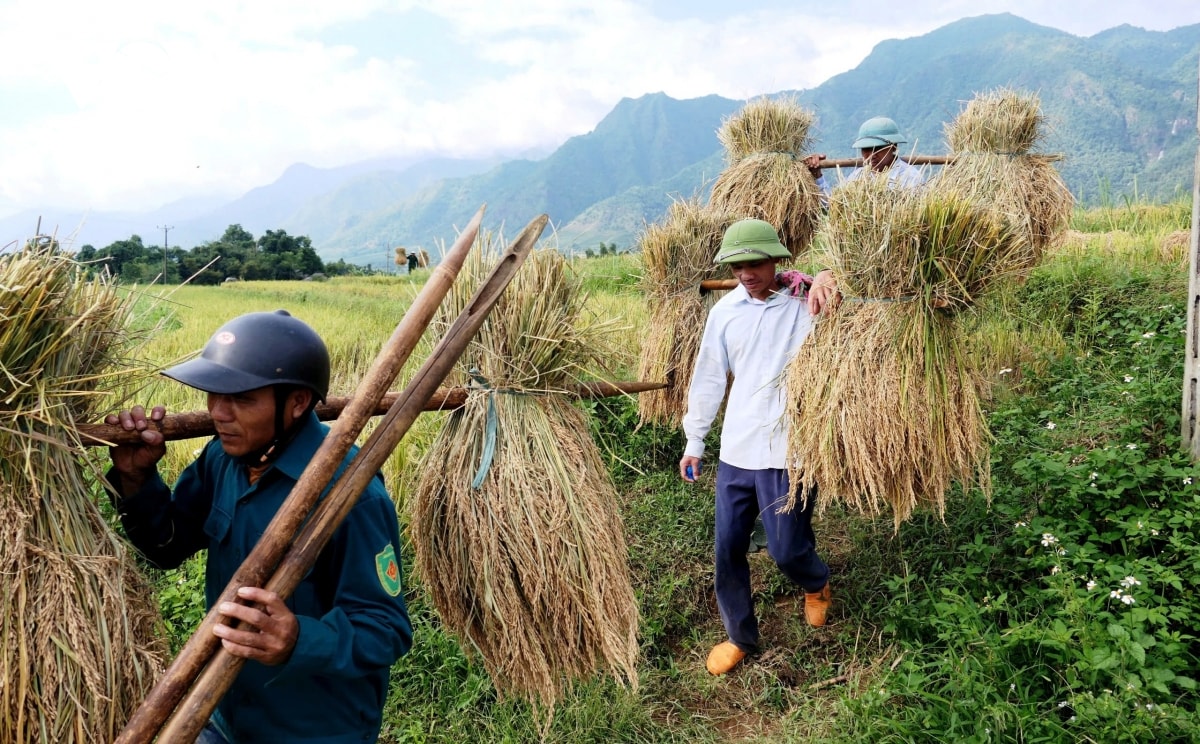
{"x":878,"y":132}
{"x":750,"y":240}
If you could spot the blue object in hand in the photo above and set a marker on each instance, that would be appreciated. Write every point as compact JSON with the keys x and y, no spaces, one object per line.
{"x":691,"y":474}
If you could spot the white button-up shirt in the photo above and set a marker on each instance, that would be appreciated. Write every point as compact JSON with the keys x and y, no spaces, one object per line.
{"x":753,"y":341}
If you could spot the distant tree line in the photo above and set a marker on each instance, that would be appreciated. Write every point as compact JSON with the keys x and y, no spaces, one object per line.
{"x":604,"y":249}
{"x":237,"y":254}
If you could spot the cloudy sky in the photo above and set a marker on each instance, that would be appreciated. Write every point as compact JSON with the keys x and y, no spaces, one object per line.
{"x":131,"y":104}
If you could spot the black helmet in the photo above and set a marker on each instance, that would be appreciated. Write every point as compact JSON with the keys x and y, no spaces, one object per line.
{"x":256,"y":350}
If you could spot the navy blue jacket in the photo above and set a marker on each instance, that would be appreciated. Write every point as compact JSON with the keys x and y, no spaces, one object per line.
{"x":353,"y":619}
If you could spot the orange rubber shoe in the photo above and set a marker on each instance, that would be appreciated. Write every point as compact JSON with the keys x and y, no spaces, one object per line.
{"x":816,"y":605}
{"x":724,"y":657}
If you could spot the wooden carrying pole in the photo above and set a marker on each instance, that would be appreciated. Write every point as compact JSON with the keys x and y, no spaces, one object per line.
{"x":911,"y":160}
{"x":194,"y":424}
{"x":208,"y":689}
{"x":258,"y":566}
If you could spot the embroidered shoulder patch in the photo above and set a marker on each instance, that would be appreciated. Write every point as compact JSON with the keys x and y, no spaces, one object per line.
{"x":388,"y":569}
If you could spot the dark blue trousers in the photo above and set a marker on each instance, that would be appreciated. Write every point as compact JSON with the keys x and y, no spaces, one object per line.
{"x":742,"y":497}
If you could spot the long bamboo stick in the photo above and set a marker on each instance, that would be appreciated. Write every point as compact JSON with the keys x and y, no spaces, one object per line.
{"x":208,"y":689}
{"x":194,"y":424}
{"x":910,"y":159}
{"x":260,"y":564}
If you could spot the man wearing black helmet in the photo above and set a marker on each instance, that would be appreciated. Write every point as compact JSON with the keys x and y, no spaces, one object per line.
{"x":318,"y":663}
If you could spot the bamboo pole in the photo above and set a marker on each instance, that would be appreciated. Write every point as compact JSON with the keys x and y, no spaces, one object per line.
{"x":208,"y":689}
{"x":258,"y":566}
{"x":910,"y":159}
{"x":716,"y":285}
{"x":196,"y":424}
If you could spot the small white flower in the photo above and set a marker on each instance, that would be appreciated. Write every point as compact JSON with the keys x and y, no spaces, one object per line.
{"x":1154,"y":532}
{"x":1187,"y":481}
{"x":1071,"y":719}
{"x":1048,"y":539}
{"x":1051,"y":425}
{"x":1130,"y":582}
{"x":1128,"y":378}
{"x":1060,"y":550}
{"x":1128,"y":599}
{"x":1062,"y":704}
{"x":1018,"y":525}
{"x":1131,"y":446}
{"x":1006,"y":371}
{"x":1091,"y":584}
{"x":1013,"y":687}
{"x":1137,"y":344}
{"x":1148,"y":334}
{"x":1054,"y":570}
{"x":1139,"y":525}
{"x":1149,"y":706}
{"x":1114,"y":594}
{"x":1095,"y":475}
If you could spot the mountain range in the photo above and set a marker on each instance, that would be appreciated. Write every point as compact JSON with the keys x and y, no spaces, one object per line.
{"x":1120,"y":107}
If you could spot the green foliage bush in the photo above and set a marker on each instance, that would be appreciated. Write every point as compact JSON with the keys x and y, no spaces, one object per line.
{"x":1065,"y":611}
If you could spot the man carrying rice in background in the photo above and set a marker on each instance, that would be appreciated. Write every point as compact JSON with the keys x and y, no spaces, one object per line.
{"x":319,"y":662}
{"x":877,"y":141}
{"x":751,"y":334}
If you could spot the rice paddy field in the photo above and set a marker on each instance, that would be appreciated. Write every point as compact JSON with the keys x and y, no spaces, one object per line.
{"x":1062,"y":607}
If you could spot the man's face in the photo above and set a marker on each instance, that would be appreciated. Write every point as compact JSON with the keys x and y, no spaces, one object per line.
{"x":245,"y":422}
{"x":758,"y":277}
{"x":879,"y":158}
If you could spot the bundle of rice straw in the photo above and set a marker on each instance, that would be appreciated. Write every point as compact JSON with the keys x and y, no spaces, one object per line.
{"x":765,"y":176}
{"x":884,"y":404}
{"x":422,"y":258}
{"x":79,"y":640}
{"x":515,"y":523}
{"x":677,"y":254}
{"x":992,"y":140}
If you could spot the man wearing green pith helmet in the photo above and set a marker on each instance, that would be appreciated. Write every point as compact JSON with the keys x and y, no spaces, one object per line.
{"x":752,"y":333}
{"x":877,"y":141}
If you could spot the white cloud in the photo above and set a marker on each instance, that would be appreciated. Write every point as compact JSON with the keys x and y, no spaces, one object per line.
{"x":133,"y":103}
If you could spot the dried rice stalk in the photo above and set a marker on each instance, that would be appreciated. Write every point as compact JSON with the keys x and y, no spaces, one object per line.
{"x":767,"y":125}
{"x":677,"y":254}
{"x":883,"y":399}
{"x":993,"y":139}
{"x":888,"y":413}
{"x":530,"y":568}
{"x":79,"y":640}
{"x":766,"y":178}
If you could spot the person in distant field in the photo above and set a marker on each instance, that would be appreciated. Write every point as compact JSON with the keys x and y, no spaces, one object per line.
{"x":751,"y":334}
{"x":318,"y":663}
{"x":412,"y":262}
{"x":877,"y":140}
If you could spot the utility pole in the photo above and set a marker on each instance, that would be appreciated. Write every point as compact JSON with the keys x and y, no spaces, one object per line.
{"x":1191,"y":363}
{"x":165,"y":229}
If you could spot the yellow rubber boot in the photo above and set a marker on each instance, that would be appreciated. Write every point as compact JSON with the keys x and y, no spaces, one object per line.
{"x":816,"y":605}
{"x":724,"y":657}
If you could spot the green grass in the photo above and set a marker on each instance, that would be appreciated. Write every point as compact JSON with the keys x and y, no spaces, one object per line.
{"x":965,"y":630}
